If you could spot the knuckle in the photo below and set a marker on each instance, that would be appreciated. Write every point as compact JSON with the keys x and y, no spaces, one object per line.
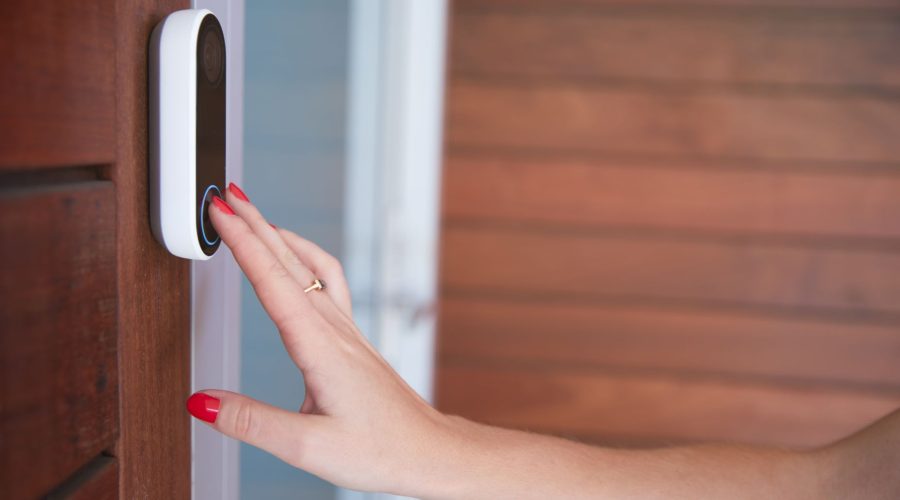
{"x":303,"y":449}
{"x":239,"y":242}
{"x":289,"y":322}
{"x":246,"y":426}
{"x":333,"y":265}
{"x":277,"y":271}
{"x":290,"y":258}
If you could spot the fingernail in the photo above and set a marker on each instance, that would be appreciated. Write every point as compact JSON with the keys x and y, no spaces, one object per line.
{"x":235,"y":190}
{"x":273,"y":226}
{"x":221,"y":205}
{"x":203,"y":406}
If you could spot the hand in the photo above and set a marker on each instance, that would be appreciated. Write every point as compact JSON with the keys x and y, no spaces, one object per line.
{"x":361,"y":426}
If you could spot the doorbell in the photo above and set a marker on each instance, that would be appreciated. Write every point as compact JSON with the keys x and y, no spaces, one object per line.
{"x":187,"y":131}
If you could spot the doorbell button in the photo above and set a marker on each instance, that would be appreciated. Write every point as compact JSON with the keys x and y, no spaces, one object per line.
{"x":210,"y":236}
{"x":188,"y":79}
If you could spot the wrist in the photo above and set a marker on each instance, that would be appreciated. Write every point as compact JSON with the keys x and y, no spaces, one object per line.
{"x":443,"y":461}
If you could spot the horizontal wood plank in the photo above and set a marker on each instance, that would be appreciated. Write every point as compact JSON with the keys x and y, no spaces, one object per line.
{"x":58,"y":360}
{"x":500,"y":260}
{"x":679,"y":196}
{"x":679,"y":47}
{"x":649,"y":409}
{"x":99,"y":480}
{"x":670,"y":340}
{"x":685,"y":123}
{"x":57,"y":93}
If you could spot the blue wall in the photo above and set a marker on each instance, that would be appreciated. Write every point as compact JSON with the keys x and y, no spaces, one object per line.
{"x":294,"y":152}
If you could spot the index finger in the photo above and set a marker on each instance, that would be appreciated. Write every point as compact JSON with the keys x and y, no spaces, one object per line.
{"x":281,"y":296}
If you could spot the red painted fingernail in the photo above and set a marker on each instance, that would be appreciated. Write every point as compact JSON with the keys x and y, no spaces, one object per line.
{"x":203,"y":406}
{"x":221,"y":205}
{"x":273,"y":226}
{"x":235,"y":190}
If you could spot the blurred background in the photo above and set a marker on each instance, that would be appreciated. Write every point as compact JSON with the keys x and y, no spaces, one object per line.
{"x":629,"y":223}
{"x":342,"y":144}
{"x":295,"y":95}
{"x":660,"y":222}
{"x":669,"y":223}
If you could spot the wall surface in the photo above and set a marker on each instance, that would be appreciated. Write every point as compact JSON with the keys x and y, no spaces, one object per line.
{"x":671,"y":224}
{"x":295,"y":101}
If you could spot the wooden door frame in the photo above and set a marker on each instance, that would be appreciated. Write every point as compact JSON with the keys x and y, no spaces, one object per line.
{"x":153,"y":288}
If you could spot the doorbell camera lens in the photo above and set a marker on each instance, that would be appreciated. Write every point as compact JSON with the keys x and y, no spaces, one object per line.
{"x":213,"y":55}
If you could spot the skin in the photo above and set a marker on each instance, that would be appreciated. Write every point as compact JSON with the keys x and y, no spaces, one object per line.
{"x":362,"y":427}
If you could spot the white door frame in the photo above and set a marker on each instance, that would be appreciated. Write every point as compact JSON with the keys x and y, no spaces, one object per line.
{"x":397,"y":59}
{"x":215,"y":291}
{"x":393,"y":177}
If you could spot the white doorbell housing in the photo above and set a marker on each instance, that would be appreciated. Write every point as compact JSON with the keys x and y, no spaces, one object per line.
{"x":187,"y":130}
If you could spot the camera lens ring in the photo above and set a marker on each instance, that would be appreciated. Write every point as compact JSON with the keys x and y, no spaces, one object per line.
{"x":212,"y":54}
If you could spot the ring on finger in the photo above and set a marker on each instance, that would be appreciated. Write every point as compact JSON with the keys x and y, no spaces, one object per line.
{"x":317,"y":284}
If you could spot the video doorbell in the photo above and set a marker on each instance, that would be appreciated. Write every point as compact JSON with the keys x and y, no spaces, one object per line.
{"x":187,"y":131}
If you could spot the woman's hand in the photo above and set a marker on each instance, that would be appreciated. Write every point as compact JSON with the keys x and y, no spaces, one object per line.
{"x":361,"y":426}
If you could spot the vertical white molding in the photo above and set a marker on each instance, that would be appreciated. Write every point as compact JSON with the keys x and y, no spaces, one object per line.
{"x":362,"y":220}
{"x":413,"y":96}
{"x":215,"y":291}
{"x":393,"y":181}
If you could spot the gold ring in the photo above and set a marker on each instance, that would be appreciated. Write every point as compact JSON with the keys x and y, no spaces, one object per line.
{"x":316,"y":285}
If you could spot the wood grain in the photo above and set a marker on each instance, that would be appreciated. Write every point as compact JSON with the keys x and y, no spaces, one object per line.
{"x":687,"y":48}
{"x":99,"y":480}
{"x":670,"y":340}
{"x":650,"y":409}
{"x":649,"y":267}
{"x":57,"y":93}
{"x":58,"y":364}
{"x":153,"y":289}
{"x":686,"y":123}
{"x":670,"y":222}
{"x":677,"y":196}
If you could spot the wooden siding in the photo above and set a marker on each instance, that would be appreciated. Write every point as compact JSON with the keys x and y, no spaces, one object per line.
{"x":668,"y":223}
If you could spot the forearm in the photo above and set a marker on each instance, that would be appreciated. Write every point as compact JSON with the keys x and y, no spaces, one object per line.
{"x":480,"y":461}
{"x":866,"y":464}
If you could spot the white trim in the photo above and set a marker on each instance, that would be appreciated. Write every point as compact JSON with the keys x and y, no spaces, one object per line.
{"x":361,"y":216}
{"x":393,"y":181}
{"x":215,"y":291}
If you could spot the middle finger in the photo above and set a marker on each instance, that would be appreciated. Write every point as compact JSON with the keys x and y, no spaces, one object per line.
{"x":270,"y":237}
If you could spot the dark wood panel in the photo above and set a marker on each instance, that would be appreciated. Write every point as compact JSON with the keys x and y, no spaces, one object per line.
{"x":646,"y":408}
{"x":686,"y":47}
{"x":57,"y":93}
{"x":57,"y":333}
{"x":682,"y":123}
{"x":735,"y":198}
{"x":669,"y":340}
{"x":497,"y":260}
{"x":99,"y":480}
{"x":153,"y":288}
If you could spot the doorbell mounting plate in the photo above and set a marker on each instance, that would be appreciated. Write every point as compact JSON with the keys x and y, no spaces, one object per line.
{"x":187,"y":131}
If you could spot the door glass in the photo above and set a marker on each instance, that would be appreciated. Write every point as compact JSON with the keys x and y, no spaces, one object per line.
{"x":294,"y":164}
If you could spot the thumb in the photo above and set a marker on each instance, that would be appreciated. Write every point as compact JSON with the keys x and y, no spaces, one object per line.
{"x":283,"y":433}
